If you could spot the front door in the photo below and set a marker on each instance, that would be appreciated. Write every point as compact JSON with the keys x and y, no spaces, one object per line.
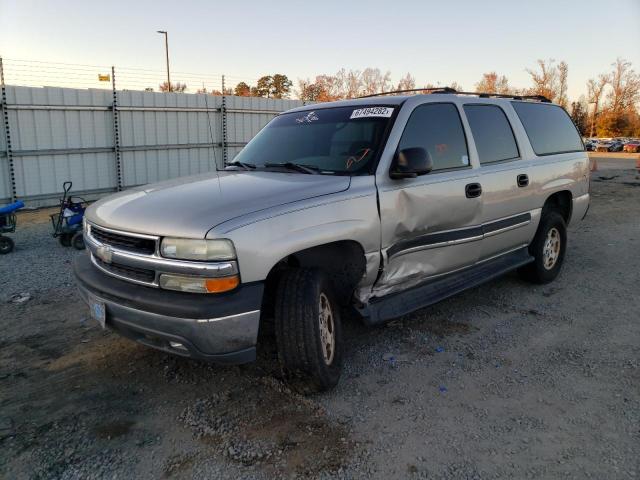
{"x":430,"y":224}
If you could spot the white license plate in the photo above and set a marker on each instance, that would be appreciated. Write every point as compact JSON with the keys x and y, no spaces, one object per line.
{"x":98,"y":311}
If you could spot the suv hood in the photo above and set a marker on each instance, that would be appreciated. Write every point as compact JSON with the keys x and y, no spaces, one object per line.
{"x":190,"y":206}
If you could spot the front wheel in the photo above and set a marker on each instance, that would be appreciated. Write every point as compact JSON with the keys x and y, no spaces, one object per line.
{"x":6,"y":245}
{"x":308,"y":330}
{"x":548,"y":249}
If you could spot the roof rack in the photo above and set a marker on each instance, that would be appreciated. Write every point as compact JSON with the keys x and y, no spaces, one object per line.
{"x":539,"y":98}
{"x":430,"y":90}
{"x":436,"y":90}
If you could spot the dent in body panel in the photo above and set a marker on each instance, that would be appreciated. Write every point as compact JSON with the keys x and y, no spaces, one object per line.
{"x":415,"y":209}
{"x":265,"y":238}
{"x":413,"y":268}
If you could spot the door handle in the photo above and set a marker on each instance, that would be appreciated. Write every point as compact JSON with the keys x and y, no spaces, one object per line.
{"x":523,"y":180}
{"x":473,"y":190}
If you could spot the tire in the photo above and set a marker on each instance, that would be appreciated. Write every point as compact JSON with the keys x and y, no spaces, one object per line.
{"x":6,"y":245}
{"x":65,"y":239}
{"x":548,"y":249}
{"x":77,"y":241}
{"x":310,"y":356}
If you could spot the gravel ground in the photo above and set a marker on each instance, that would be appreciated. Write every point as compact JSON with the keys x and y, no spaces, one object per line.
{"x":507,"y":380}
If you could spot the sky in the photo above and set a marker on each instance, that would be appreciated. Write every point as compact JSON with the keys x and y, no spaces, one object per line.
{"x":437,"y":41}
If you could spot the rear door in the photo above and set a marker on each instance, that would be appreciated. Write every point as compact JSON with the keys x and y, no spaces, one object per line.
{"x":430,"y":224}
{"x":505,"y":177}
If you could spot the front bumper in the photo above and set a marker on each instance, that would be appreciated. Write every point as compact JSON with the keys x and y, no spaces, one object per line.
{"x":221,"y":328}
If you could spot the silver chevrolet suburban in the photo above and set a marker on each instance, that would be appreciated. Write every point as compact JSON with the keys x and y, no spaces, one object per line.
{"x":380,"y":205}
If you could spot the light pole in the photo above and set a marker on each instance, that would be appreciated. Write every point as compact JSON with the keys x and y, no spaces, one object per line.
{"x":166,"y":49}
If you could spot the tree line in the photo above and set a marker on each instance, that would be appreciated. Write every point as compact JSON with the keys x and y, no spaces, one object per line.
{"x":609,"y":109}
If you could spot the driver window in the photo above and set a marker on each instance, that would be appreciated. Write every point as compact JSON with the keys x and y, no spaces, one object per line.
{"x":437,"y":128}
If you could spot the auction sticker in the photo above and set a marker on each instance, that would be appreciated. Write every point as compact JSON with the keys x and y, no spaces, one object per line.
{"x":372,"y":112}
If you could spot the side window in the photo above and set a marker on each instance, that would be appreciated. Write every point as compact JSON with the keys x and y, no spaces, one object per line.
{"x":437,"y":128}
{"x":549,"y":128}
{"x":492,"y":133}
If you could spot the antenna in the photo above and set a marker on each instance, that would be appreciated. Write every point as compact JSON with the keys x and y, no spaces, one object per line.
{"x":213,"y":145}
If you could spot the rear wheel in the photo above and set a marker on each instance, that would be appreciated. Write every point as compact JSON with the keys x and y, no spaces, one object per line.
{"x":6,"y":245}
{"x":308,"y":330}
{"x":65,"y":239}
{"x":548,"y":249}
{"x":77,"y":241}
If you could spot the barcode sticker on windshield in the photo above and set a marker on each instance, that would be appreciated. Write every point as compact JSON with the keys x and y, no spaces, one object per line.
{"x":372,"y":112}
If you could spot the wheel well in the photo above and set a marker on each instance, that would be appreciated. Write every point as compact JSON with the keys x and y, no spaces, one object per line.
{"x":560,"y":202}
{"x":343,"y":261}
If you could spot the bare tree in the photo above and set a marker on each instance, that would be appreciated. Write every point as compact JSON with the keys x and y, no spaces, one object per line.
{"x":595,"y":90}
{"x":348,"y":84}
{"x":625,"y":86}
{"x":545,"y":81}
{"x":563,"y":72}
{"x":374,"y":81}
{"x":456,"y":86}
{"x":406,"y":83}
{"x":493,"y":83}
{"x":175,"y":87}
{"x":323,"y":89}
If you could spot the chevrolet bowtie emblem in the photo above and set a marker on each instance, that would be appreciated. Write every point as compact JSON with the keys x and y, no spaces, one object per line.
{"x":104,"y":253}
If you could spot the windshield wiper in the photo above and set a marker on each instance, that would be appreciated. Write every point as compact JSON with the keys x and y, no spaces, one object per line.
{"x":246,"y":166}
{"x":310,"y":169}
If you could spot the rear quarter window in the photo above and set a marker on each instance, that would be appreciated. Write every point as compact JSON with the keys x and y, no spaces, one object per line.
{"x":549,"y":128}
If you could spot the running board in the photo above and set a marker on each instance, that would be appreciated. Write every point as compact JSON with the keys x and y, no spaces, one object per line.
{"x":381,"y":310}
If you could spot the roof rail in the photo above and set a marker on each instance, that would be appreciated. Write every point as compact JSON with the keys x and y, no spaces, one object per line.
{"x":539,"y":98}
{"x":431,"y":90}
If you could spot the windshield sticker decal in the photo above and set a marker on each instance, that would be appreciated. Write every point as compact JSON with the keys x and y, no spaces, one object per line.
{"x":372,"y":112}
{"x":308,"y":118}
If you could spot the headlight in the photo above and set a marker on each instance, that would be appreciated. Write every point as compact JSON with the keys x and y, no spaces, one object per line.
{"x":203,"y":250}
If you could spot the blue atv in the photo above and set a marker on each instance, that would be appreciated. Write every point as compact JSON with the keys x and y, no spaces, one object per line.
{"x":8,"y":225}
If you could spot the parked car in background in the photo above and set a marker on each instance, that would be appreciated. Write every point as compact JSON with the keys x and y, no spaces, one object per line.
{"x":609,"y":146}
{"x":632,"y":146}
{"x":590,"y":145}
{"x":616,"y":146}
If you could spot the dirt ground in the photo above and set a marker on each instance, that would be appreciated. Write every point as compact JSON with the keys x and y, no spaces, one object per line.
{"x":507,"y":380}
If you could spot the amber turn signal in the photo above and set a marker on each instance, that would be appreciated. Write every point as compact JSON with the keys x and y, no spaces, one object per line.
{"x":198,"y":284}
{"x":223,"y":284}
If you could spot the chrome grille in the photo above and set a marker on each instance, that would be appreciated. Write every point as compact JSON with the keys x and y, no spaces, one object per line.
{"x":129,"y":243}
{"x":132,"y":273}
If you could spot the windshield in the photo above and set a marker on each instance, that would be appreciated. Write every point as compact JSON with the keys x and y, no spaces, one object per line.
{"x":340,"y":140}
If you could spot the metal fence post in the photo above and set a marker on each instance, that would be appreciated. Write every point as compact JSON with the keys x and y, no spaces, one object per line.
{"x":116,"y":131}
{"x":7,"y":135}
{"x":223,"y":112}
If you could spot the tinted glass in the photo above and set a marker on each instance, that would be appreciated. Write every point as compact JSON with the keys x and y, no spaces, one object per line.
{"x":549,"y":128}
{"x":438,"y":129}
{"x":343,"y":140}
{"x":492,"y":133}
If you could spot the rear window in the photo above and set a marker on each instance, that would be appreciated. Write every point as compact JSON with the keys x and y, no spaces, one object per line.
{"x":549,"y":128}
{"x":492,"y":133}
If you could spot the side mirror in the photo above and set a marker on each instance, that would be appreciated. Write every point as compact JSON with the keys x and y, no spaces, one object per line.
{"x":411,"y":163}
